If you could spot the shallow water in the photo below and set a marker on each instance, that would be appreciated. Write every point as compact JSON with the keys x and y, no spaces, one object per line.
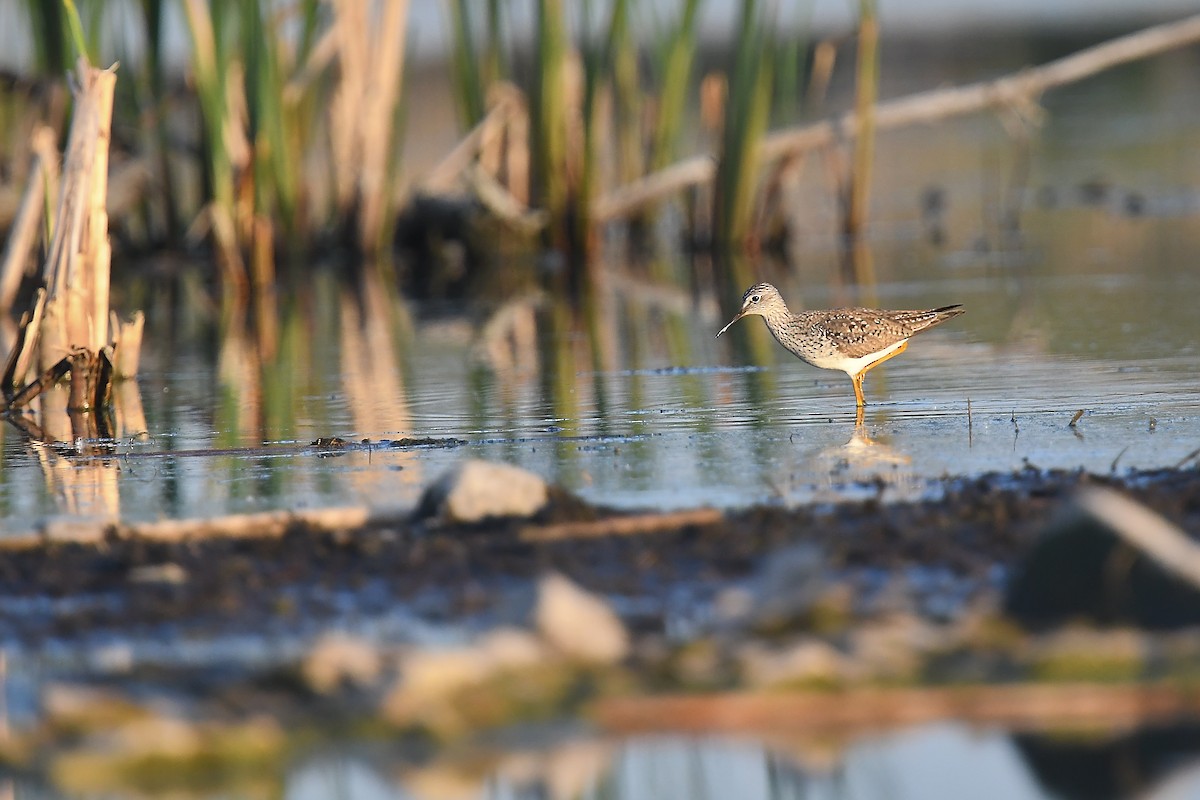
{"x":1086,"y":304}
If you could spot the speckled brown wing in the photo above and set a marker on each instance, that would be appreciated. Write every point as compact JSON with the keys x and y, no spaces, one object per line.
{"x":858,"y":332}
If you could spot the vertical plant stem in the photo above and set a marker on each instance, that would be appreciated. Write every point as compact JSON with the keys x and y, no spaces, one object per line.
{"x":867,"y":92}
{"x":209,"y":68}
{"x":467,"y":69}
{"x":549,"y":124}
{"x":675,"y":78}
{"x":747,"y":113}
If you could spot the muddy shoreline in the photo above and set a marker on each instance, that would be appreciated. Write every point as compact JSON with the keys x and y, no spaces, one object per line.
{"x":300,"y":577}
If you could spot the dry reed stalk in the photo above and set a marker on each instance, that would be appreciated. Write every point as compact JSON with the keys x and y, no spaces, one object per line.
{"x":41,"y":187}
{"x":371,"y":64}
{"x":516,"y":152}
{"x":68,"y":329}
{"x":76,"y":273}
{"x":481,"y":142}
{"x":1014,"y":91}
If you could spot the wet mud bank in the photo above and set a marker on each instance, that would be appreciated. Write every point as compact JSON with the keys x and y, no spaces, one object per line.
{"x":933,"y":558}
{"x":811,"y":620}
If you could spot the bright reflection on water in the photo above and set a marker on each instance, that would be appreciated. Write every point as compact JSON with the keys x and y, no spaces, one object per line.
{"x":1088,"y":305}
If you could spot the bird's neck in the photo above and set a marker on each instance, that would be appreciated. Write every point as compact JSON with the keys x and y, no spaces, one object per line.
{"x":777,"y":316}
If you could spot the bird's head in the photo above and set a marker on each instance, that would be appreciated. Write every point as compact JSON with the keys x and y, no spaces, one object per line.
{"x":761,"y":299}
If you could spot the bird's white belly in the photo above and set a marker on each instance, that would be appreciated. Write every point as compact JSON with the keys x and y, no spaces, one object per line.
{"x":853,"y":366}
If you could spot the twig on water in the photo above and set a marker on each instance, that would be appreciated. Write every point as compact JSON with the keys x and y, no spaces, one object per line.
{"x":1075,"y":419}
{"x":970,"y":425}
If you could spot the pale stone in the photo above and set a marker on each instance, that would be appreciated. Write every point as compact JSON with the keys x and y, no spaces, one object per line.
{"x":578,"y":624}
{"x":477,"y":490}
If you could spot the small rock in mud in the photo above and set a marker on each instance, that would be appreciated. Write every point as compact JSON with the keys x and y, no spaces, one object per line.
{"x":478,"y":490}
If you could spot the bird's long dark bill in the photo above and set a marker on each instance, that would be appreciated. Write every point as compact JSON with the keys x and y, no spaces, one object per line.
{"x":740,"y":314}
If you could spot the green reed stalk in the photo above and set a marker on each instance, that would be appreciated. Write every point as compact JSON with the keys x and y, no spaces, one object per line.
{"x":747,"y":112}
{"x":210,"y":62}
{"x":75,"y":31}
{"x":627,"y":93}
{"x":866,"y":95}
{"x":676,"y":76}
{"x":275,"y":179}
{"x":466,"y":67}
{"x":493,"y":54}
{"x":548,"y":124}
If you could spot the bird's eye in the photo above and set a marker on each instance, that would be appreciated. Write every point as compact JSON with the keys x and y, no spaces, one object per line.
{"x":755,"y":299}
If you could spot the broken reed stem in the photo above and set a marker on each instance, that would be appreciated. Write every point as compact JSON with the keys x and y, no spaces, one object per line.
{"x":68,"y":328}
{"x":26,"y":229}
{"x":1019,"y":91}
{"x":77,"y":265}
{"x":47,"y":379}
{"x":24,"y":346}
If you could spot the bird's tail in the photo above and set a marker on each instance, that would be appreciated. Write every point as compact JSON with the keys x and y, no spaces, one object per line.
{"x":920,"y":320}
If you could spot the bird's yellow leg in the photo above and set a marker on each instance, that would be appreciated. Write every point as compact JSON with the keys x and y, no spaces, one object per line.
{"x":858,"y":379}
{"x":858,"y":421}
{"x":893,"y":354}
